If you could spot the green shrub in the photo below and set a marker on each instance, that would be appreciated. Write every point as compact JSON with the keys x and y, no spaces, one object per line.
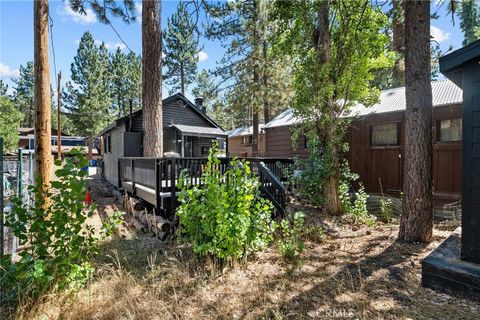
{"x":314,"y":172}
{"x":58,"y":243}
{"x":357,"y":207}
{"x":386,"y":209}
{"x":290,"y":243}
{"x":225,"y":216}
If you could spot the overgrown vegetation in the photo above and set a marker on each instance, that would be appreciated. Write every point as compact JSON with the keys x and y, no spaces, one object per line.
{"x":225,"y":217}
{"x":290,"y":243}
{"x":386,"y":209}
{"x":57,"y":243}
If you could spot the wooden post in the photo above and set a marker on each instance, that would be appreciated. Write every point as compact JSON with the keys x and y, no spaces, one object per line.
{"x":43,"y":102}
{"x":173,"y":199}
{"x":59,"y":127}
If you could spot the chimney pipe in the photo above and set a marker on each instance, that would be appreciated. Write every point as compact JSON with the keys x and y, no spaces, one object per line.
{"x":199,"y":103}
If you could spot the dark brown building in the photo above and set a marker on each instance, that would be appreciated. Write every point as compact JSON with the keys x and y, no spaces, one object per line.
{"x":376,"y":138}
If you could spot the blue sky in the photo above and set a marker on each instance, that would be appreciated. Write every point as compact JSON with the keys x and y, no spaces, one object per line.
{"x":16,"y":35}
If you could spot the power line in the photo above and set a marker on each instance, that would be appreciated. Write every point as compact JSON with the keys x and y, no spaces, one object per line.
{"x":128,"y":47}
{"x":53,"y":47}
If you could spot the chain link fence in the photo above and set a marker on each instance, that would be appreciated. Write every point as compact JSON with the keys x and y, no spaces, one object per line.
{"x":16,"y":175}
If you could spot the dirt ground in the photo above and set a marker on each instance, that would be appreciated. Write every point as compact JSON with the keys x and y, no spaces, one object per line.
{"x":347,"y":271}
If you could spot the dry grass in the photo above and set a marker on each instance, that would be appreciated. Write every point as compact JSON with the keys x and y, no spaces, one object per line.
{"x":350,"y":272}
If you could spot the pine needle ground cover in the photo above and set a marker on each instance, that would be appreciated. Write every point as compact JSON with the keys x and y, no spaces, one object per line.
{"x":351,"y":271}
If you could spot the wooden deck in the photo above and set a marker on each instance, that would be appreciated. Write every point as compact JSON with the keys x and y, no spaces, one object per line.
{"x":154,"y":180}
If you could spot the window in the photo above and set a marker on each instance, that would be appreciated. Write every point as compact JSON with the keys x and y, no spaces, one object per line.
{"x":247,"y":139}
{"x":387,"y":134}
{"x":449,"y":130}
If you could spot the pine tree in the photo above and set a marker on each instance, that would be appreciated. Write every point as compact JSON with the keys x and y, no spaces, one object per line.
{"x":207,"y":89}
{"x":24,"y":94}
{"x":469,"y":14}
{"x":119,"y":73}
{"x":3,"y":89}
{"x":416,"y":222}
{"x":10,"y":119}
{"x":87,"y":95}
{"x":152,"y":78}
{"x":125,"y":76}
{"x":134,"y":80}
{"x":181,"y":49}
{"x":252,"y":77}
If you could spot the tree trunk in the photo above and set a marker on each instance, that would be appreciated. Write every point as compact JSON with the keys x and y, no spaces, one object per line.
{"x":398,"y":42}
{"x":43,"y":104}
{"x":90,"y":147}
{"x":152,"y":78}
{"x":266,"y":107}
{"x":182,"y":79}
{"x":416,"y":223}
{"x":256,"y":76}
{"x":332,"y":203}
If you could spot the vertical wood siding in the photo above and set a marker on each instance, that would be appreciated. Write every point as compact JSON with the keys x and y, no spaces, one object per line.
{"x":383,"y":166}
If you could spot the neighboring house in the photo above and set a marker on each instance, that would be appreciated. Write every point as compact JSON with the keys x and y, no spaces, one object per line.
{"x":187,"y":132}
{"x":240,"y":142}
{"x":27,"y":141}
{"x":376,"y":138}
{"x":24,"y":135}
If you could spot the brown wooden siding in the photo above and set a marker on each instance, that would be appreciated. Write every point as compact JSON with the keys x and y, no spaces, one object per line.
{"x":381,"y":168}
{"x":236,"y":147}
{"x":279,"y":144}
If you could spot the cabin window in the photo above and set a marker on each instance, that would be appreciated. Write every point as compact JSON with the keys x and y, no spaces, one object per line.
{"x":386,"y":134}
{"x":108,"y":144}
{"x":449,"y":130}
{"x":247,"y":139}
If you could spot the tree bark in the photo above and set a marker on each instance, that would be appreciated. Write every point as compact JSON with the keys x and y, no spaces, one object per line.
{"x":152,"y":78}
{"x":416,"y":222}
{"x":256,"y":76}
{"x":398,"y":42}
{"x":43,"y":124}
{"x":182,"y":78}
{"x":266,"y":107}
{"x":332,"y":203}
{"x":90,"y":147}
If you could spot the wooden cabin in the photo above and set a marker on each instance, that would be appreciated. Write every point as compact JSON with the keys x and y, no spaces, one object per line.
{"x":187,"y":132}
{"x":376,"y":138}
{"x":240,"y":142}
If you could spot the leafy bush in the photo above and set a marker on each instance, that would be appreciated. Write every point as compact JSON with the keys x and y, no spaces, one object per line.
{"x":290,"y":243}
{"x":386,"y":209}
{"x":58,"y":243}
{"x":225,"y":216}
{"x":313,"y":173}
{"x":357,"y":206}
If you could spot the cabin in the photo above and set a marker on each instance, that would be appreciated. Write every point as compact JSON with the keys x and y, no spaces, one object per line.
{"x":187,"y":132}
{"x":240,"y":142}
{"x":376,"y":139}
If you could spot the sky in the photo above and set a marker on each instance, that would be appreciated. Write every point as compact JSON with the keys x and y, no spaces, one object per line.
{"x":16,"y":35}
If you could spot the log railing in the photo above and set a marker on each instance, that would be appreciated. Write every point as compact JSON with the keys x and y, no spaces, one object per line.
{"x":160,"y":175}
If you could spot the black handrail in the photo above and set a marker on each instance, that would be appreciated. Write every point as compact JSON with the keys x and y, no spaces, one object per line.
{"x":161,"y":175}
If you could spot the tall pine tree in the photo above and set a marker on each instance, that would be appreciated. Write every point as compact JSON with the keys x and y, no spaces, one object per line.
{"x":252,"y":79}
{"x":469,"y":14}
{"x":181,"y":49}
{"x":24,"y":94}
{"x":87,"y":95}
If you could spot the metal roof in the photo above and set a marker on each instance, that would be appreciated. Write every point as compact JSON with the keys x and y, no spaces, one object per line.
{"x":199,"y":131}
{"x":444,"y":93}
{"x":245,"y":131}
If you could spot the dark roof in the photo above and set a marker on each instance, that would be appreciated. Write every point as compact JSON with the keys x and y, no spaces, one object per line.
{"x":177,"y":96}
{"x":450,"y":64}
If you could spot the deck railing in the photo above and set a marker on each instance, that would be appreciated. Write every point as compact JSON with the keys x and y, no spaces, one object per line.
{"x":160,"y":175}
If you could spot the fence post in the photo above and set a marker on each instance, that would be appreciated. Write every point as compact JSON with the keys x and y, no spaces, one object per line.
{"x":1,"y":198}
{"x":20,"y":173}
